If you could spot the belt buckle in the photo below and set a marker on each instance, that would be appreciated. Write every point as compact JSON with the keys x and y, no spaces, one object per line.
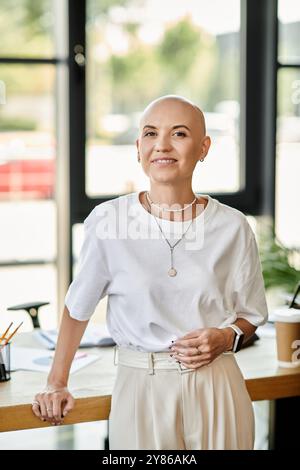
{"x":150,"y":363}
{"x":115,"y":355}
{"x":182,"y":369}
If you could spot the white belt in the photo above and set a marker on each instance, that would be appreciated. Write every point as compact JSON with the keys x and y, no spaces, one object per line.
{"x":148,"y":360}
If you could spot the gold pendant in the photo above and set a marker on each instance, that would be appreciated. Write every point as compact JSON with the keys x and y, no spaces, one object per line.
{"x":172,"y":272}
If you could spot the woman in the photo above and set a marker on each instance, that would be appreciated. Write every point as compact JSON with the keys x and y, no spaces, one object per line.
{"x":181,"y":299}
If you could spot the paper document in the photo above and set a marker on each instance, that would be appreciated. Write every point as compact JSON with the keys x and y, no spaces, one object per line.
{"x":41,"y":359}
{"x":94,"y":335}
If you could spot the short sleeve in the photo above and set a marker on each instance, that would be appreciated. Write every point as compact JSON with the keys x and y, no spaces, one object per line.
{"x":90,"y":284}
{"x":248,"y":294}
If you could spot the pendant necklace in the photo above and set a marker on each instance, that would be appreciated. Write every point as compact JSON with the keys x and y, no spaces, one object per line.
{"x":172,"y":271}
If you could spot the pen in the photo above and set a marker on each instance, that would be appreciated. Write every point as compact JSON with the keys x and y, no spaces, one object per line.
{"x":4,"y":334}
{"x":12,"y":334}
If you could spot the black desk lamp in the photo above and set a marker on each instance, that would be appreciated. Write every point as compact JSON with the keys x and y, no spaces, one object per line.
{"x":32,"y":308}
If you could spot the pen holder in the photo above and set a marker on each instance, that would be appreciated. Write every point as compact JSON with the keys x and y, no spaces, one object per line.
{"x":5,"y":363}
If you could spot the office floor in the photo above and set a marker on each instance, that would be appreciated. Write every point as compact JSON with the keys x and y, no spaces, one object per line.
{"x":90,"y":436}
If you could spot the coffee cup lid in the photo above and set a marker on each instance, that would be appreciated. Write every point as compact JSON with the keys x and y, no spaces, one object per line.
{"x":286,"y":315}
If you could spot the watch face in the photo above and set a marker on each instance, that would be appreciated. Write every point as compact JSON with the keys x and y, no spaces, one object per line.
{"x":240,"y":342}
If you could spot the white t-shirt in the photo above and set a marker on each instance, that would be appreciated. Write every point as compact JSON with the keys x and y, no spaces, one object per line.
{"x":125,"y":256}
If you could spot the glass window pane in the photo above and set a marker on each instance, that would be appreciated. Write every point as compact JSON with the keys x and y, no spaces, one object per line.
{"x":27,"y":134}
{"x":27,"y":28}
{"x":27,"y":181}
{"x":141,"y":49}
{"x":20,"y":284}
{"x":28,"y":231}
{"x":288,"y":157}
{"x":289,"y":31}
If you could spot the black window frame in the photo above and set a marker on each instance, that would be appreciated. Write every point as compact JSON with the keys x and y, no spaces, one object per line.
{"x":259,"y":67}
{"x":285,"y":65}
{"x":258,"y":92}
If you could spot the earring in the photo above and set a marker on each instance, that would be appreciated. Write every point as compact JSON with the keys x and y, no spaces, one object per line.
{"x":201,"y":159}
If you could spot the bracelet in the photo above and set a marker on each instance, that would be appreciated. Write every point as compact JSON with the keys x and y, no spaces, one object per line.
{"x":55,"y":390}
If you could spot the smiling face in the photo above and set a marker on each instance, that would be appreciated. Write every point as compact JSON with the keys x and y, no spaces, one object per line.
{"x":171,"y":129}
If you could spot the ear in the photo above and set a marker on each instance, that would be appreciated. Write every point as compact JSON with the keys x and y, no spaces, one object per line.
{"x":205,"y":145}
{"x":137,"y":146}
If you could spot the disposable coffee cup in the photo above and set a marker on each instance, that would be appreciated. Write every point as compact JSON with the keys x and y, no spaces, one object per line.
{"x":287,"y":324}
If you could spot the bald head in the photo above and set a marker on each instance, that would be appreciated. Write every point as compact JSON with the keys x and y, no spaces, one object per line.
{"x":169,"y":100}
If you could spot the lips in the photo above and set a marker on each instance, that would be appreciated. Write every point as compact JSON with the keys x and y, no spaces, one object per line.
{"x":157,"y":159}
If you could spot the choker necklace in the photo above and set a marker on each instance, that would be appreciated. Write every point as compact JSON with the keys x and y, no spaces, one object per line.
{"x":168,"y":210}
{"x":172,"y":271}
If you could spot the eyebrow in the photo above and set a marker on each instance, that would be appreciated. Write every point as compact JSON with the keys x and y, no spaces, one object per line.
{"x":174,"y":127}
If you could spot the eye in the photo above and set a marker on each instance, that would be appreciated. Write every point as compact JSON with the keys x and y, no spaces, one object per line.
{"x":182,"y":133}
{"x":149,"y":132}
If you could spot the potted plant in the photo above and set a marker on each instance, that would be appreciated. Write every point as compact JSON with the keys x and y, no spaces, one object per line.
{"x":279,"y":266}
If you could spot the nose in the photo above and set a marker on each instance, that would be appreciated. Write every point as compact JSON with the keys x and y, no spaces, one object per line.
{"x":162,"y":144}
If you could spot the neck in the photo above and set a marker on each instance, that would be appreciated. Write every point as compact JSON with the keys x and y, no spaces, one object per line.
{"x":171,"y":197}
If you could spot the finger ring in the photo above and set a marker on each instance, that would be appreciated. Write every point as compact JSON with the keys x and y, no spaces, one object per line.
{"x":49,"y":409}
{"x":199,"y":352}
{"x":35,"y":403}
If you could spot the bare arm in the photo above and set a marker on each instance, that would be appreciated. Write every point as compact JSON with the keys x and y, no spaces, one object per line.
{"x":55,"y":401}
{"x":70,"y":334}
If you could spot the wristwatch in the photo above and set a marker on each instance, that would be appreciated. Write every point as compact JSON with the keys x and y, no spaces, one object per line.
{"x":238,"y":338}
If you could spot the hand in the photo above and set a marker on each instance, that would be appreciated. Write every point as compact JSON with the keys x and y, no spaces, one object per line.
{"x":200,"y":347}
{"x":53,"y":404}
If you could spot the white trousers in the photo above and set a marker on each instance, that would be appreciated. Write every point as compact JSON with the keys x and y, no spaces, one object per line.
{"x":158,"y":404}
